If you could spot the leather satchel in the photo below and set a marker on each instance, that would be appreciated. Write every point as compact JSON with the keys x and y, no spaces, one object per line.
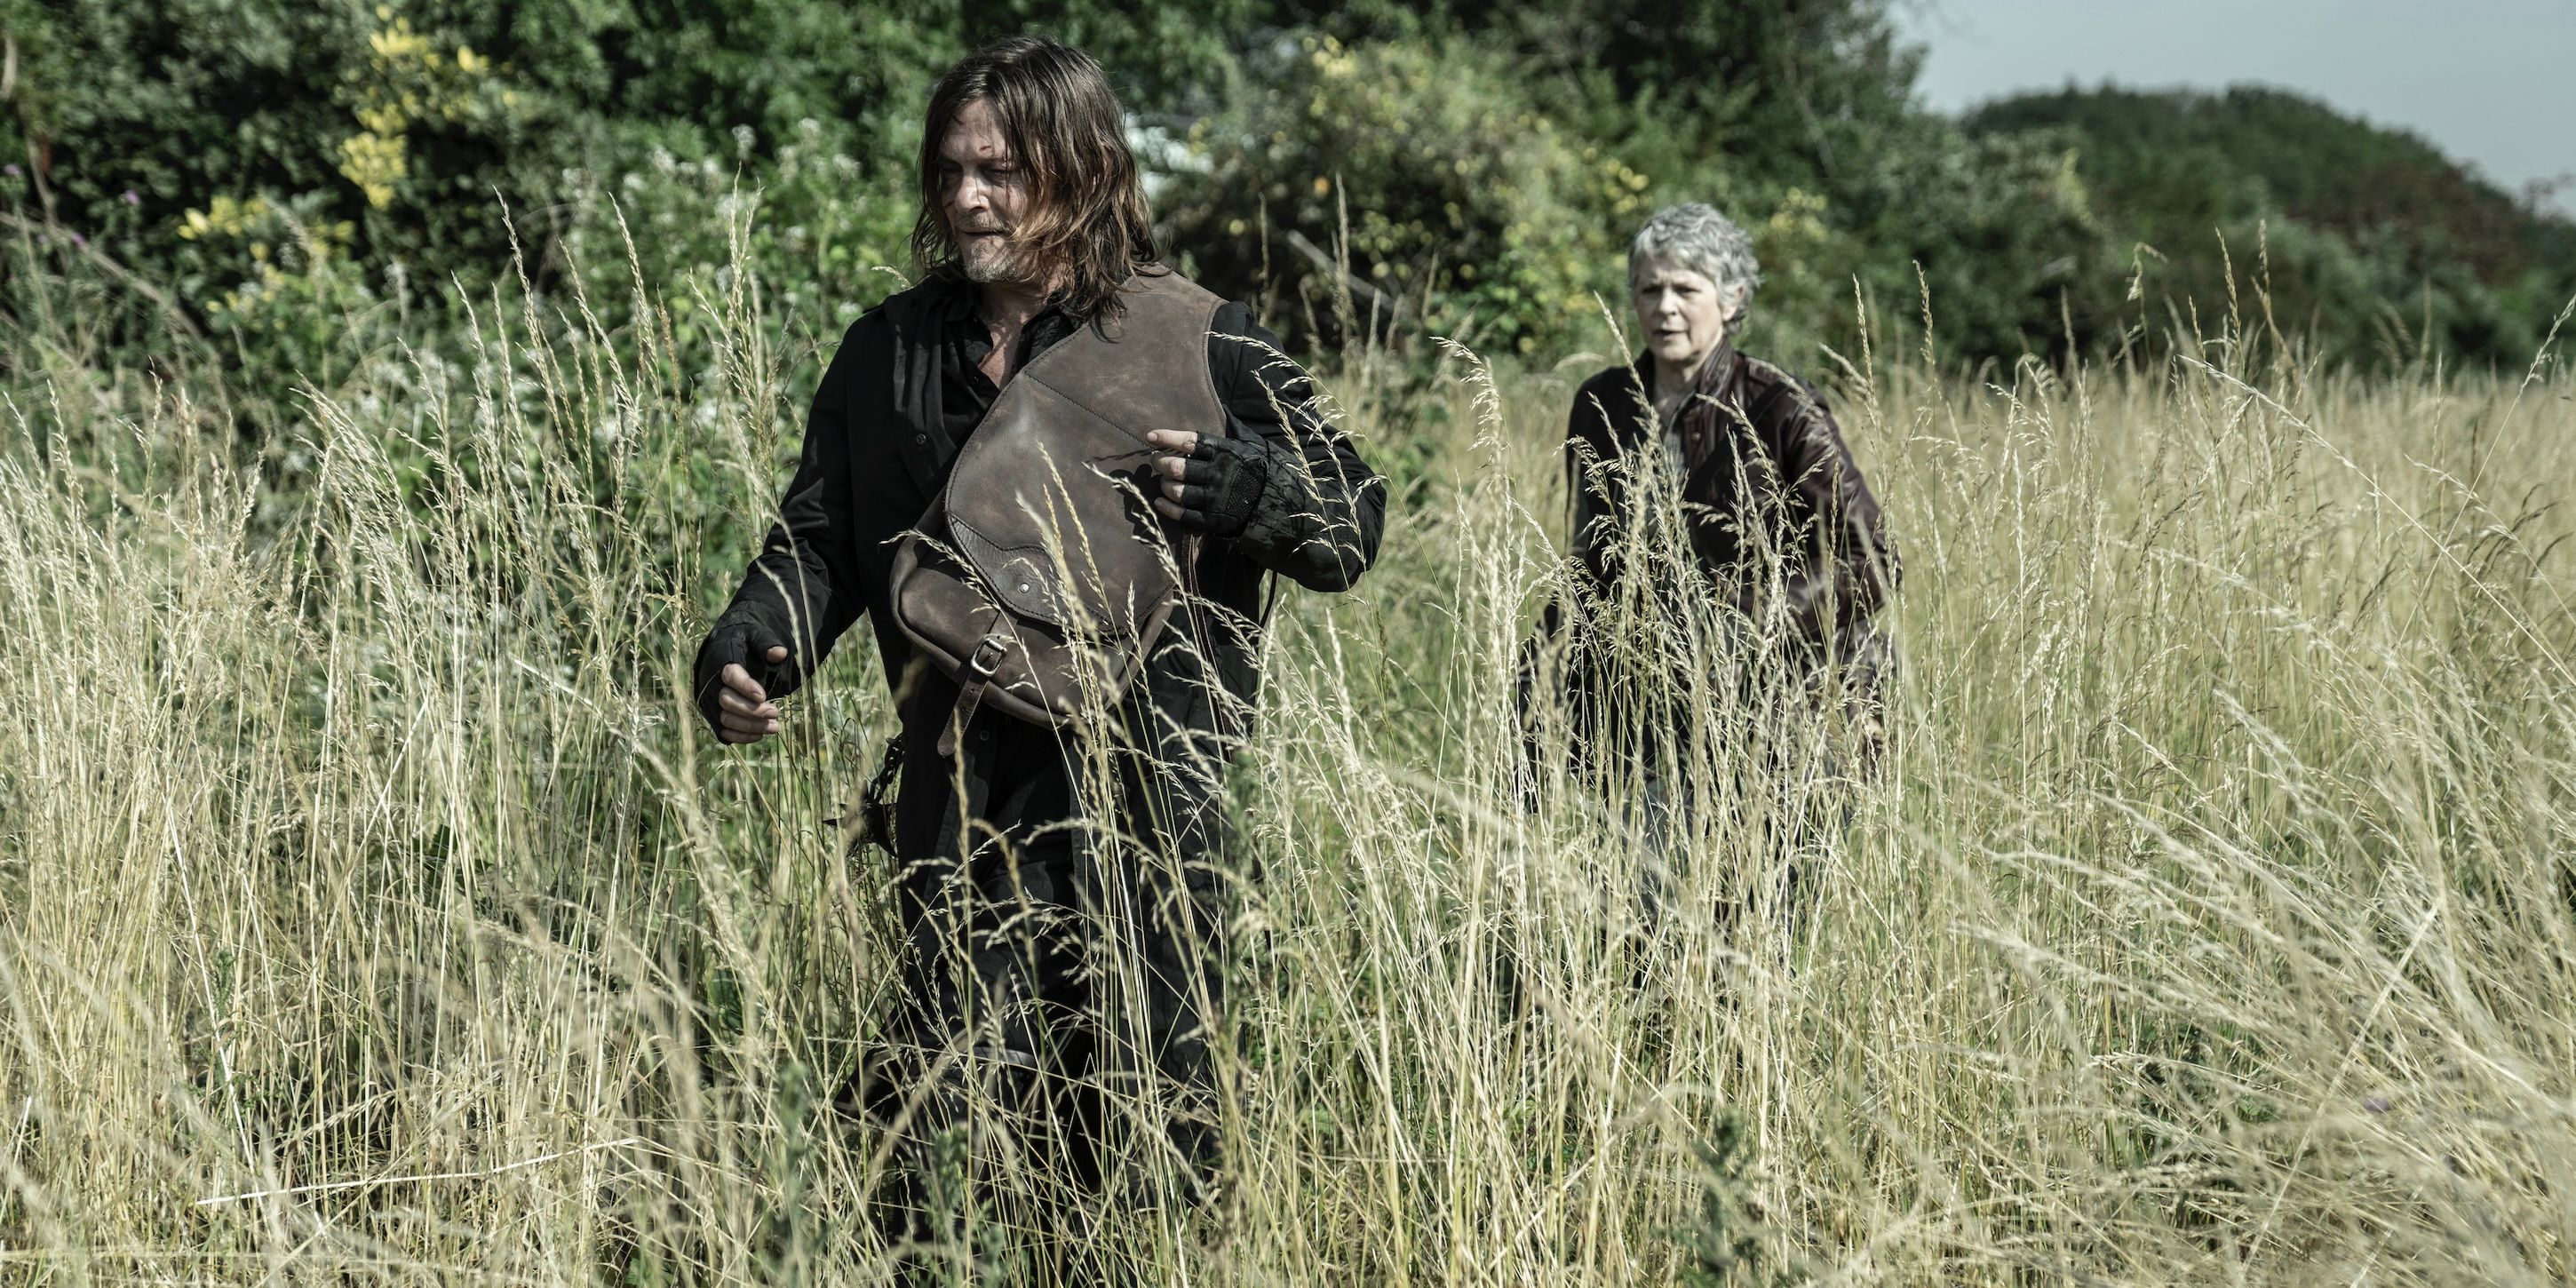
{"x":1040,"y":577}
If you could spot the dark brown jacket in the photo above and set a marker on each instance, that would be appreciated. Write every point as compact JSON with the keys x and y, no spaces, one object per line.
{"x":1778,"y":518}
{"x":1779,"y":481}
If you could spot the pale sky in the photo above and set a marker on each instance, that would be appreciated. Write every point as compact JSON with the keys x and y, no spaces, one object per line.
{"x":2488,"y":81}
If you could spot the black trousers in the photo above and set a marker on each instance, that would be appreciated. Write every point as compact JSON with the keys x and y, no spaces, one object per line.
{"x":1063,"y":967}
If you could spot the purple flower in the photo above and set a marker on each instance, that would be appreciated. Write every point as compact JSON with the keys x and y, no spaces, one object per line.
{"x":2375,"y":1104}
{"x":78,"y":240}
{"x":131,"y":199}
{"x":10,"y":170}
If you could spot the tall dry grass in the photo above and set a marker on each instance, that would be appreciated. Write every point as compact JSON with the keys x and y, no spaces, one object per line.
{"x":372,"y":909}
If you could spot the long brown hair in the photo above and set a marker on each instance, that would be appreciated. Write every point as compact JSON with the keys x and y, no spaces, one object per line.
{"x":1061,"y":119}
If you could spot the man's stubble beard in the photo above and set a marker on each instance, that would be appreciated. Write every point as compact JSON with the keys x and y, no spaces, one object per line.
{"x":992,"y":265}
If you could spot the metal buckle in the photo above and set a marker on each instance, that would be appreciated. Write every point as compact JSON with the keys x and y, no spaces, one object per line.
{"x":978,"y":661}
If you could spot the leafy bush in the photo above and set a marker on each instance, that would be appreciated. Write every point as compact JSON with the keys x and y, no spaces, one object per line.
{"x":1461,"y":202}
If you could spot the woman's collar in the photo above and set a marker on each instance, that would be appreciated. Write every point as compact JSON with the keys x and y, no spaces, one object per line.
{"x":1716,"y":370}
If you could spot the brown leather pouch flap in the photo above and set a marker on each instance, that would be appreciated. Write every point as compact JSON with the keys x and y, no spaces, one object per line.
{"x":1072,"y":541}
{"x":1042,"y":675}
{"x":1041,"y":576}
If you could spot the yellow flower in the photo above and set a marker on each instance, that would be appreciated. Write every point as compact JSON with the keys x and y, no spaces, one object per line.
{"x":375,"y":163}
{"x":223,"y":215}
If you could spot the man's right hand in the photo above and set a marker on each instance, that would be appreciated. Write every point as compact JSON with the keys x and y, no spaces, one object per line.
{"x":740,"y":705}
{"x":744,"y":711}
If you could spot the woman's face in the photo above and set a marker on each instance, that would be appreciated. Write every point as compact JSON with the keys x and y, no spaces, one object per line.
{"x":1682,"y":313}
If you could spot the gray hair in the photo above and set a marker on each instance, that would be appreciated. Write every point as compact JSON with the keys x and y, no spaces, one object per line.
{"x":1706,"y":243}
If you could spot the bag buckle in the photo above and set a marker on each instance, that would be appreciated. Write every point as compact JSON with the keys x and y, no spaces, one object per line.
{"x":980,"y":667}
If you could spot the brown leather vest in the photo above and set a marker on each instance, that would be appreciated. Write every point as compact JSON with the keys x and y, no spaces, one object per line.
{"x":1040,"y":577}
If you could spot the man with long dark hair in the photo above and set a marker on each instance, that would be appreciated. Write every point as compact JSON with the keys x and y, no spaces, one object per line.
{"x":1056,"y":887}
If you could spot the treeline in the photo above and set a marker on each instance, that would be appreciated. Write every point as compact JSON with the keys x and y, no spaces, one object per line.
{"x":2371,"y":241}
{"x":289,"y":179}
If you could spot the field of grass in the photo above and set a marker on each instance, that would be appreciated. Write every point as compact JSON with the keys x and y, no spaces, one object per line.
{"x":373,"y":910}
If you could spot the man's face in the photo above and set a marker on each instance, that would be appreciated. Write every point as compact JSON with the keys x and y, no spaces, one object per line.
{"x":984,"y":194}
{"x":1682,"y":313}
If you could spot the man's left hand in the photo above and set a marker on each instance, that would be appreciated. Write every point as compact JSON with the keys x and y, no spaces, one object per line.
{"x":1210,"y":485}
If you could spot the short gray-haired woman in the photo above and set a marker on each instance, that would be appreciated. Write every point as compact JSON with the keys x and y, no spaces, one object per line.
{"x":1776,"y":512}
{"x":1752,"y":446}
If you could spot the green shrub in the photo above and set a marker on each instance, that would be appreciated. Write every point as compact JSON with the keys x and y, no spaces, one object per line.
{"x":1460,"y":199}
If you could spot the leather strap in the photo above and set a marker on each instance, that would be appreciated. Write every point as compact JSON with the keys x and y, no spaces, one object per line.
{"x":979,"y":668}
{"x":1220,"y":703}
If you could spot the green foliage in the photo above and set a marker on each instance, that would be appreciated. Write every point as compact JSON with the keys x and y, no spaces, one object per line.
{"x":768,"y":64}
{"x":1493,"y":165}
{"x":1786,"y":89}
{"x":2379,"y":246}
{"x":284,"y":167}
{"x":1461,"y":201}
{"x":282,"y":176}
{"x":183,"y":100}
{"x":1725,"y":1243}
{"x":1164,"y":58}
{"x":277,"y":280}
{"x":353,"y":113}
{"x":812,"y":224}
{"x":2001,"y":230}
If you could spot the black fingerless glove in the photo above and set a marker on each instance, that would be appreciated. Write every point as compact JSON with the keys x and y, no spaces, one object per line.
{"x":745,"y":641}
{"x":1221,"y":485}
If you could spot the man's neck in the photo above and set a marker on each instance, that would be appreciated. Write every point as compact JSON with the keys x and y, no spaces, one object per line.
{"x":1005,"y":309}
{"x":1008,"y":306}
